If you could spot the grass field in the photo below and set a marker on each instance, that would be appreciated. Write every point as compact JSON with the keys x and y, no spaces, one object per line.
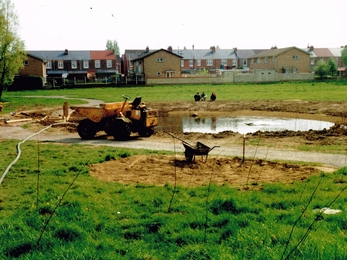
{"x":309,"y":91}
{"x":51,"y":208}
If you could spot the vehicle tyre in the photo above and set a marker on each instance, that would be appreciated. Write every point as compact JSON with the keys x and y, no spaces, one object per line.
{"x":189,"y":156}
{"x":146,"y":132}
{"x":87,"y":129}
{"x":121,"y":130}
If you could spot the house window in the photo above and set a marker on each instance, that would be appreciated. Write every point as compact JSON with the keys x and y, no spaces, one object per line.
{"x":198,"y":62}
{"x":191,"y":63}
{"x":74,"y":64}
{"x":49,"y":64}
{"x":85,"y":64}
{"x":97,"y":64}
{"x":266,"y":60}
{"x":182,"y":63}
{"x":258,"y":60}
{"x":26,"y":63}
{"x":60,"y":64}
{"x":224,"y":62}
{"x":234,"y":62}
{"x":245,"y":62}
{"x":295,"y":57}
{"x":109,"y":64}
{"x":252,"y":61}
{"x":209,"y":63}
{"x":273,"y":59}
{"x":160,"y":60}
{"x":158,"y":74}
{"x":312,"y":61}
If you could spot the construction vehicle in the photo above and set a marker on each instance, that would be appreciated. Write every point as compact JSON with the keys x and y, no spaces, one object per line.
{"x":118,"y":119}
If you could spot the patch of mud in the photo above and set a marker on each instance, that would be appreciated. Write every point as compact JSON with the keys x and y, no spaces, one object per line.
{"x":162,"y":169}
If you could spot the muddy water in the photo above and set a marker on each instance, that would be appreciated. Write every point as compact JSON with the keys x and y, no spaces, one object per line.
{"x":240,"y":124}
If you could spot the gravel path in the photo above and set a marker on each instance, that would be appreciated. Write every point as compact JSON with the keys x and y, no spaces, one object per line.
{"x":153,"y":143}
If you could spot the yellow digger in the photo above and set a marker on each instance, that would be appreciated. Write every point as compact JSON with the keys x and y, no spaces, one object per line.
{"x":118,"y":119}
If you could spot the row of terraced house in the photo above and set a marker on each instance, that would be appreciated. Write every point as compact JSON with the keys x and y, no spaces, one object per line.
{"x":169,"y":66}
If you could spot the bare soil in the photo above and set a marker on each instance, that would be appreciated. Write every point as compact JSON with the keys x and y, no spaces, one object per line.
{"x":222,"y":170}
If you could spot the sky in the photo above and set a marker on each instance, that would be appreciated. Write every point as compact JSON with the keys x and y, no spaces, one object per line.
{"x":136,"y":24}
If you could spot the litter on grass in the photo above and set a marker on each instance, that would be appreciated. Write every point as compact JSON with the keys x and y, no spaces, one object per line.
{"x":327,"y":211}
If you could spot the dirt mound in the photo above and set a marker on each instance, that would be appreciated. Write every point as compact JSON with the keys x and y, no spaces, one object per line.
{"x":162,"y":169}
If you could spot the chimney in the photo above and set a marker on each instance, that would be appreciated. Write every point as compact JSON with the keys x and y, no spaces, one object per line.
{"x":235,"y":49}
{"x":147,"y":49}
{"x":193,"y":47}
{"x":311,"y":48}
{"x":169,"y":48}
{"x":66,"y":52}
{"x":213,"y":49}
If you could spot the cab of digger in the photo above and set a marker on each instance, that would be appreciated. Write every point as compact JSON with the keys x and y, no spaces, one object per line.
{"x":136,"y":102}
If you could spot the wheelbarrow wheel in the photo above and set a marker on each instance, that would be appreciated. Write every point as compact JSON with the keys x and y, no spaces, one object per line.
{"x":189,"y":156}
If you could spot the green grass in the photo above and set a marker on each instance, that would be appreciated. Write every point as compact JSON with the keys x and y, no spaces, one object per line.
{"x":92,"y":219}
{"x":99,"y":220}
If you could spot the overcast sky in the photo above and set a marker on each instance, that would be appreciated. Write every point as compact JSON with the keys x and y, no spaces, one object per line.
{"x":135,"y":24}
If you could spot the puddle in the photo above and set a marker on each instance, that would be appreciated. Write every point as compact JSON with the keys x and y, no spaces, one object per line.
{"x":240,"y":124}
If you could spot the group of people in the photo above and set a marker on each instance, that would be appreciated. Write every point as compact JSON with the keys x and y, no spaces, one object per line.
{"x":202,"y":97}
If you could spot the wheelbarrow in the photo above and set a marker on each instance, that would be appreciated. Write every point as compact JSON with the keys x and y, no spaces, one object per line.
{"x":193,"y":150}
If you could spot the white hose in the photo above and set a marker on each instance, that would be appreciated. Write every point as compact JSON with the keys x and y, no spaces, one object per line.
{"x":19,"y":151}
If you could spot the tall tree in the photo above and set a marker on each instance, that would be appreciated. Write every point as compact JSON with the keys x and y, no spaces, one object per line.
{"x":112,"y":45}
{"x":333,"y":66}
{"x":322,"y":68}
{"x":12,"y":49}
{"x":344,"y":55}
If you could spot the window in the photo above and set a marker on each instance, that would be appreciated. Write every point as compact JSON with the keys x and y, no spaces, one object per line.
{"x":245,"y":62}
{"x":224,"y":62}
{"x":209,"y":63}
{"x":158,"y":74}
{"x":160,"y":60}
{"x":109,"y":63}
{"x":85,"y":64}
{"x":60,"y":64}
{"x":191,"y":63}
{"x":266,"y":60}
{"x":49,"y":64}
{"x":198,"y":62}
{"x":258,"y":60}
{"x":252,"y":61}
{"x":295,"y":57}
{"x":312,"y":61}
{"x":74,"y":64}
{"x":182,"y":63}
{"x":273,"y":59}
{"x":234,"y":62}
{"x":26,"y":63}
{"x":97,"y":64}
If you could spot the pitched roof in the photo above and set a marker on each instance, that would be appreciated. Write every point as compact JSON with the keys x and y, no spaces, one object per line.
{"x":102,"y":55}
{"x":336,"y":51}
{"x":276,"y":52}
{"x":322,"y":52}
{"x":61,"y":55}
{"x":149,"y":53}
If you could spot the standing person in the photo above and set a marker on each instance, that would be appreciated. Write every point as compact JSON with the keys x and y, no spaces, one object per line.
{"x":213,"y":96}
{"x":203,"y":96}
{"x":197,"y":96}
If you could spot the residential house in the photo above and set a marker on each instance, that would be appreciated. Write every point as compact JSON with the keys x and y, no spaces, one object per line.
{"x":34,"y":65}
{"x":325,"y":54}
{"x":128,"y":57}
{"x":158,"y":63}
{"x":284,"y":60}
{"x":214,"y":59}
{"x":78,"y":65}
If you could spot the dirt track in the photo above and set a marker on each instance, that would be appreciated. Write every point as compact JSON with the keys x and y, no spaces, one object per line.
{"x":221,"y":165}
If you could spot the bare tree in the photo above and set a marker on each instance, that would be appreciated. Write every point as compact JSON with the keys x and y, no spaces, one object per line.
{"x":12,"y":50}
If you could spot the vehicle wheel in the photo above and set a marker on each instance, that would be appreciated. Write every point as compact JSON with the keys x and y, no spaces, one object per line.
{"x":146,"y":132}
{"x":189,"y":156}
{"x":121,"y":130}
{"x":87,"y":129}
